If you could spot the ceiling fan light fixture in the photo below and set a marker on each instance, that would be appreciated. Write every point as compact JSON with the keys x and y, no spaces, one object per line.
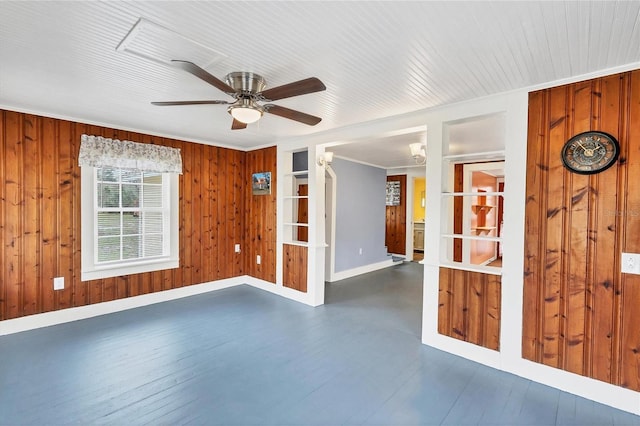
{"x":245,"y":111}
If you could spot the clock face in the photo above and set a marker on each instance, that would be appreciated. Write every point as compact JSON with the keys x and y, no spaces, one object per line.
{"x":590,"y":152}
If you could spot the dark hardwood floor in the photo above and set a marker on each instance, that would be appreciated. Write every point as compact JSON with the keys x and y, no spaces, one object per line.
{"x":241,"y":356}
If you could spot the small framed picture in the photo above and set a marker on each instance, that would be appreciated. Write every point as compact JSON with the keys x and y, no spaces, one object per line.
{"x":261,"y":183}
{"x":393,"y":193}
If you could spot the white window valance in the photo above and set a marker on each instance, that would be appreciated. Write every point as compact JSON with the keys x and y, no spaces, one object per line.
{"x":96,"y":151}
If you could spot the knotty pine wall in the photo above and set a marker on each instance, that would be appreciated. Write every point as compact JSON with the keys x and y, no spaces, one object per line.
{"x":40,"y":217}
{"x":260,"y":217}
{"x":581,"y":314}
{"x":469,"y":307}
{"x":294,"y":268}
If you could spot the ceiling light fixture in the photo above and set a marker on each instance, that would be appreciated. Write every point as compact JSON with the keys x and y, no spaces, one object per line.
{"x":418,"y":152}
{"x":245,"y":111}
{"x":325,"y":159}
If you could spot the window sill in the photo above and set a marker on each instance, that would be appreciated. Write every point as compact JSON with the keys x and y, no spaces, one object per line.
{"x":129,"y":269}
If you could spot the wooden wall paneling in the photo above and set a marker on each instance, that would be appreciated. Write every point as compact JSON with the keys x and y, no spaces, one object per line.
{"x":578,"y":201}
{"x":230,"y":217}
{"x":13,"y":163}
{"x":295,"y":267}
{"x":222,"y":200}
{"x":491,"y":312}
{"x":445,"y":296}
{"x":214,"y":200}
{"x":251,"y":222}
{"x":32,"y":280}
{"x":458,"y":282}
{"x":63,"y":205}
{"x":201,"y":211}
{"x":207,"y":224}
{"x":628,"y":346}
{"x":475,"y":309}
{"x":535,"y":215}
{"x":583,"y":312}
{"x":555,"y":232}
{"x":302,"y":268}
{"x":469,"y":307}
{"x":69,"y":135}
{"x":196,"y":225}
{"x":41,"y":218}
{"x":260,"y":236}
{"x":189,"y":213}
{"x":602,"y":329}
{"x":269,"y":249}
{"x":240,"y":209}
{"x":49,"y":233}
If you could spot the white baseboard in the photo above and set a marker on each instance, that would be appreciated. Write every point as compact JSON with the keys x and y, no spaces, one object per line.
{"x":337,"y":276}
{"x":288,"y":293}
{"x":595,"y":390}
{"x":81,"y":312}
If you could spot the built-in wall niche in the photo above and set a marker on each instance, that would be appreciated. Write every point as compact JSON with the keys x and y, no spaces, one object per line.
{"x":473,"y":193}
{"x":296,"y":200}
{"x":472,"y":207}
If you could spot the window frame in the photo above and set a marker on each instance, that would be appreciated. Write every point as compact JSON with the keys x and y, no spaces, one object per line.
{"x":90,"y":269}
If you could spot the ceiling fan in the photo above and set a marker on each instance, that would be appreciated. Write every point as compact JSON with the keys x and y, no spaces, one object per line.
{"x":248,"y":91}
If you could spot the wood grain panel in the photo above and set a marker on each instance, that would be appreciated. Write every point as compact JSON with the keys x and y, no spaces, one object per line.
{"x":579,"y":310}
{"x":294,"y":274}
{"x":12,"y":222}
{"x":395,"y":237}
{"x":627,"y":348}
{"x":261,"y":216}
{"x":469,"y":307}
{"x":40,"y":217}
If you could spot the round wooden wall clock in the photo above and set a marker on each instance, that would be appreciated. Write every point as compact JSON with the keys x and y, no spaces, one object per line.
{"x":590,"y":152}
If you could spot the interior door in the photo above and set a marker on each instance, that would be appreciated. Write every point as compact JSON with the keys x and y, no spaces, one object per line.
{"x":395,"y":236}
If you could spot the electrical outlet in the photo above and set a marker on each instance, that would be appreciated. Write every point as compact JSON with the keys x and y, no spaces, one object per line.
{"x":58,"y":283}
{"x":630,"y":263}
{"x":258,"y":259}
{"x":237,"y":248}
{"x":360,"y":251}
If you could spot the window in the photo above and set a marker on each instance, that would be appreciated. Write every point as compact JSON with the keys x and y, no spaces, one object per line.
{"x":129,"y":221}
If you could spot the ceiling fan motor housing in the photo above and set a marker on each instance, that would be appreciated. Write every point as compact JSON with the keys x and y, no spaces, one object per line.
{"x":245,"y":82}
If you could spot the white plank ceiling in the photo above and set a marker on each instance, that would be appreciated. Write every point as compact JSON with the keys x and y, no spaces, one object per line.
{"x":377,"y":59}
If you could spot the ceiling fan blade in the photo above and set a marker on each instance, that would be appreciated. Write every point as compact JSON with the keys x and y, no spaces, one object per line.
{"x":170,"y":103}
{"x":302,"y":87}
{"x":238,"y":125}
{"x":292,"y":114}
{"x":192,"y":68}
